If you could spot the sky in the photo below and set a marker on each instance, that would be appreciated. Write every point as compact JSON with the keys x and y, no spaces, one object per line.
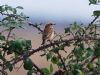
{"x":59,"y":11}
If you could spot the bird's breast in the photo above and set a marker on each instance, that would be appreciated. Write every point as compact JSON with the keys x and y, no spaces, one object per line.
{"x":52,"y":36}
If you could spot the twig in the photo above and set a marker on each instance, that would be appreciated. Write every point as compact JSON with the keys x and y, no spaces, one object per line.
{"x":36,"y":27}
{"x":19,"y":66}
{"x":38,"y":69}
{"x":63,"y":63}
{"x":92,"y":22}
{"x":10,"y":30}
{"x":2,"y":72}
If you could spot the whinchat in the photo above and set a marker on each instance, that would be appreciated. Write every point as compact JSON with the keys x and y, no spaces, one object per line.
{"x":48,"y":33}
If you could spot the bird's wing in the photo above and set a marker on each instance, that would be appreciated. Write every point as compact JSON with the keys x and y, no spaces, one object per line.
{"x":47,"y":32}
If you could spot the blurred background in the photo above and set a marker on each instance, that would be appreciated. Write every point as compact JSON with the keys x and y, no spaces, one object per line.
{"x":61,"y":12}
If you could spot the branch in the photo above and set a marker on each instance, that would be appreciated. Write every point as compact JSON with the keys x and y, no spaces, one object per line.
{"x":38,"y":69}
{"x":9,"y":33}
{"x":92,"y":22}
{"x":10,"y":30}
{"x":18,"y":59}
{"x":59,"y":55}
{"x":63,"y":63}
{"x":35,"y":25}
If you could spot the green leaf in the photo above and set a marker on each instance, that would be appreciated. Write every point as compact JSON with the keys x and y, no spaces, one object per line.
{"x":2,"y":37}
{"x":49,"y":56}
{"x":1,"y":8}
{"x":60,"y":65}
{"x":78,"y":52}
{"x":28,"y":64}
{"x":14,"y":11}
{"x":55,"y":60}
{"x":92,"y":2}
{"x":1,"y":57}
{"x":19,"y":7}
{"x":75,"y":26}
{"x":10,"y":66}
{"x":51,"y":68}
{"x":9,"y":8}
{"x":28,"y":44}
{"x":97,"y":51}
{"x":16,"y":46}
{"x":19,"y":46}
{"x":96,"y":13}
{"x":79,"y":72}
{"x":30,"y":72}
{"x":91,"y":65}
{"x":56,"y":50}
{"x":45,"y":71}
{"x":90,"y":52}
{"x":81,"y":46}
{"x":77,"y":66}
{"x":67,"y":30}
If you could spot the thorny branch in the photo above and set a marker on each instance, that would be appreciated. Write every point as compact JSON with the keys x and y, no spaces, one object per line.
{"x":92,"y":22}
{"x":64,"y":66}
{"x":38,"y":69}
{"x":16,"y":60}
{"x":34,"y":25}
{"x":8,"y":36}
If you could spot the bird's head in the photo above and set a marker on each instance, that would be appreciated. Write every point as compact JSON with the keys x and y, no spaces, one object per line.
{"x":50,"y":25}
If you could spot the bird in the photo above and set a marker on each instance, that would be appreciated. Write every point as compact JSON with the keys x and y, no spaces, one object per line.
{"x":48,"y":33}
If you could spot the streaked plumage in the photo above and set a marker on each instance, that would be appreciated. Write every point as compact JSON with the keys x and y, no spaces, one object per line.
{"x":48,"y":33}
